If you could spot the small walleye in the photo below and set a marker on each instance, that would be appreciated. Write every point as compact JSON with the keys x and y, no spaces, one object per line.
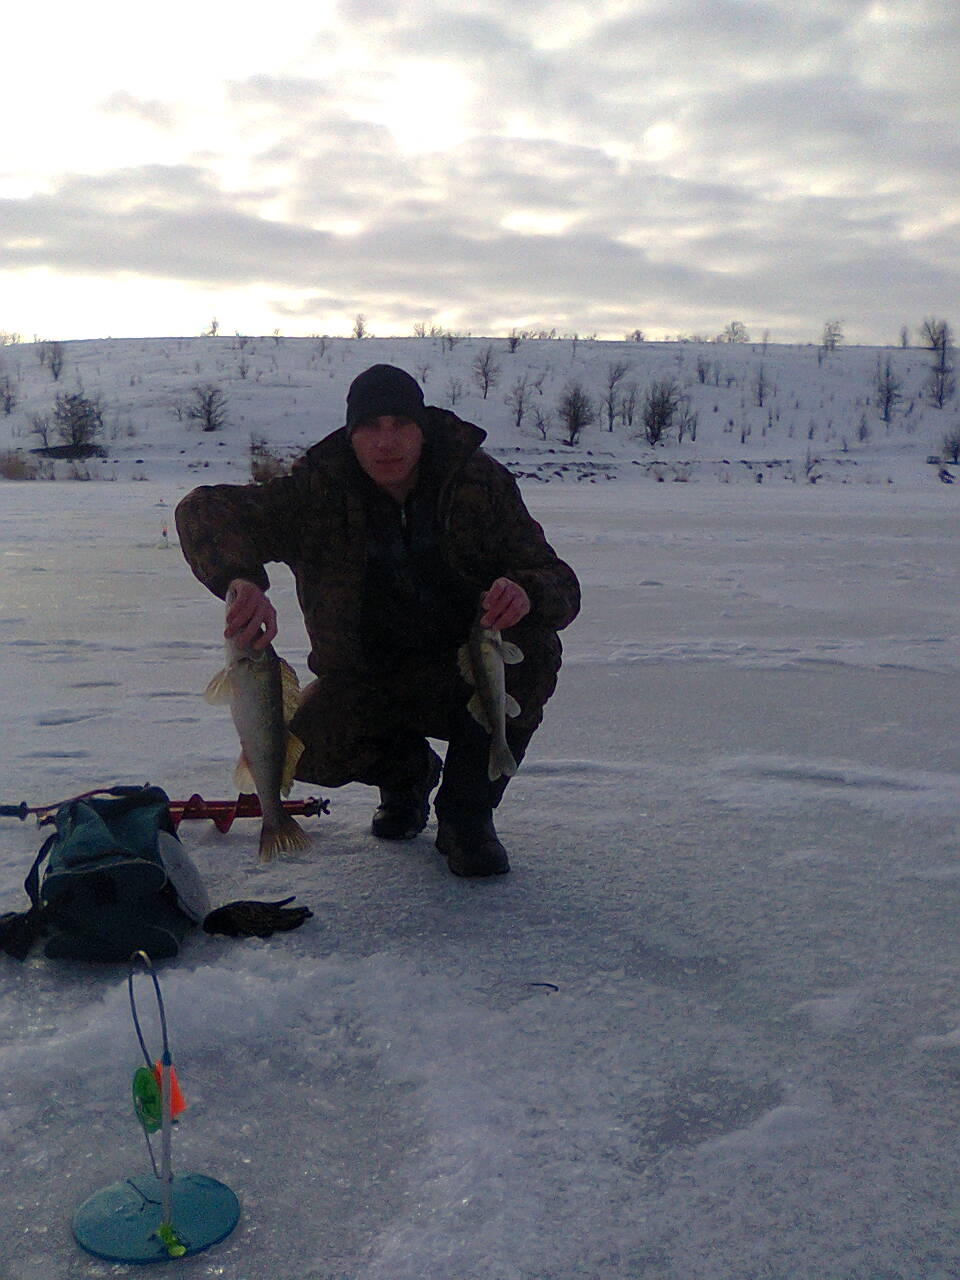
{"x":482,"y":661}
{"x":262,"y":692}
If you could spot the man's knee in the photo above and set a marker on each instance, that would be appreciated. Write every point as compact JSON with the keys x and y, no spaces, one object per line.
{"x":330,"y":721}
{"x":357,"y":730}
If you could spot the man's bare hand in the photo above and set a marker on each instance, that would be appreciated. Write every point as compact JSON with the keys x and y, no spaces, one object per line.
{"x":251,"y":618}
{"x":504,"y":605}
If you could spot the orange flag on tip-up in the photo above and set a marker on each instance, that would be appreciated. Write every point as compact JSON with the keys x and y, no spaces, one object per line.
{"x":178,"y":1102}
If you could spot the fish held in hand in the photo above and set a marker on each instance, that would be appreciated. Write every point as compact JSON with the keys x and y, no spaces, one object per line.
{"x":262,"y":691}
{"x":483,"y":661}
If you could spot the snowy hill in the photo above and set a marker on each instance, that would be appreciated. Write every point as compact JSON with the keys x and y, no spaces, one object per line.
{"x":780,"y":413}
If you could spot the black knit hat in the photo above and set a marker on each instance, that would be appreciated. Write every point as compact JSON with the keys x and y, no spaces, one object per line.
{"x":383,"y":389}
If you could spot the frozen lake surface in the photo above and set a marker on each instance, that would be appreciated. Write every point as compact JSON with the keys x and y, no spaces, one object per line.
{"x":708,"y":1027}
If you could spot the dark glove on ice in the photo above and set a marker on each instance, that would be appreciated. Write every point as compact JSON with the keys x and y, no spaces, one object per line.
{"x":256,"y":919}
{"x":18,"y":932}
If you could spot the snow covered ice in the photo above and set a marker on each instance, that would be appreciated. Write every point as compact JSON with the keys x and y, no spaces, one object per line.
{"x":708,"y":1027}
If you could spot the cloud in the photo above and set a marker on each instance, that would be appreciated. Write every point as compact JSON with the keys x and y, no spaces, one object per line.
{"x":598,"y":165}
{"x":153,"y":111}
{"x":156,"y":220}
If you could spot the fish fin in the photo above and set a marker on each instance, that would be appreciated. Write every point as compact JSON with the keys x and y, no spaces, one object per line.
{"x":219,"y":688}
{"x":243,"y":778}
{"x":290,"y":690}
{"x":510,"y":653}
{"x":294,"y":751}
{"x":288,"y":837}
{"x":501,"y":762}
{"x":511,"y":706}
{"x":475,"y":707}
{"x":465,"y":665}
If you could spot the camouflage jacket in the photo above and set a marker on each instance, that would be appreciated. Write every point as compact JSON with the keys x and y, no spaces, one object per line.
{"x":315,"y":521}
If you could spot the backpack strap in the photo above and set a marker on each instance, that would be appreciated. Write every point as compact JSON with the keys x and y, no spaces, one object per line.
{"x":20,"y":929}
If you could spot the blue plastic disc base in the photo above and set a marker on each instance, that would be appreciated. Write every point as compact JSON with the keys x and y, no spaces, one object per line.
{"x":119,"y":1223}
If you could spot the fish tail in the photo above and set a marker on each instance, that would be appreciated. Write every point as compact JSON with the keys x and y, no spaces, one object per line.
{"x":287,"y":836}
{"x":502,"y":762}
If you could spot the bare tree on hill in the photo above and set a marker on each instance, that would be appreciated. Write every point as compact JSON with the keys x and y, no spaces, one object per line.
{"x":209,"y":406}
{"x":518,"y":399}
{"x":950,"y":446}
{"x":486,"y":371}
{"x":832,"y":335}
{"x":941,"y":383}
{"x":659,"y":408}
{"x":936,"y":334}
{"x":735,"y":331}
{"x":576,"y":411}
{"x":79,"y":421}
{"x":616,"y":372}
{"x":8,"y":395}
{"x":888,"y":389}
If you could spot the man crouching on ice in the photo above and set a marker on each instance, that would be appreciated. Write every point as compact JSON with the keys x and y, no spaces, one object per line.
{"x":406,"y":541}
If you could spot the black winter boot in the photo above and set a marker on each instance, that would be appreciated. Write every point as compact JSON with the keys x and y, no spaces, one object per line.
{"x":471,"y":845}
{"x":405,"y":808}
{"x":466,"y":801}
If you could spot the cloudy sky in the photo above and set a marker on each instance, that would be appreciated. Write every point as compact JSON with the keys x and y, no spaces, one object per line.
{"x":593,"y":166}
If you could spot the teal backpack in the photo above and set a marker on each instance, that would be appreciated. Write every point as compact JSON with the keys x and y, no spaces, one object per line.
{"x":112,"y":879}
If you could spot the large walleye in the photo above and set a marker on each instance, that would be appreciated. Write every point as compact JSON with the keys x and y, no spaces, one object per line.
{"x":262,"y":691}
{"x":482,"y":662}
